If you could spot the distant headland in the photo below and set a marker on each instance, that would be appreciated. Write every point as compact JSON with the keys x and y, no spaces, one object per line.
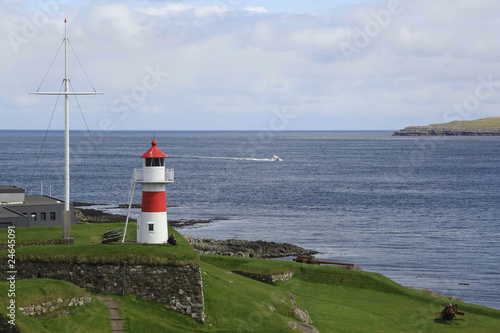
{"x":480,"y":127}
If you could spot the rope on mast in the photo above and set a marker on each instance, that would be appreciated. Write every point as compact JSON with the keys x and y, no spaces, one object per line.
{"x":43,"y":142}
{"x":48,"y":70}
{"x":83,"y":69}
{"x":95,"y":147}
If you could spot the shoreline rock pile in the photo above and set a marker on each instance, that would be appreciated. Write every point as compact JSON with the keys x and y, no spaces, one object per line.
{"x":243,"y":248}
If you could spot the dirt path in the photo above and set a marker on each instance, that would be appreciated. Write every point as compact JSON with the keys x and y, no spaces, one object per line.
{"x":116,"y":320}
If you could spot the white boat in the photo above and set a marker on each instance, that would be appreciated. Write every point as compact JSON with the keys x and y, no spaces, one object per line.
{"x":276,"y":158}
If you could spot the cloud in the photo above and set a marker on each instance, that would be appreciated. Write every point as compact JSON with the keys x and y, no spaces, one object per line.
{"x":182,"y":8}
{"x":234,"y":64}
{"x":323,"y":38}
{"x":259,"y":10}
{"x":118,"y":19}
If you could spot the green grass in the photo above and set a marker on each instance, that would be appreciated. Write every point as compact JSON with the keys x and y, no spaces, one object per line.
{"x":88,"y":247}
{"x":249,"y":265}
{"x":84,"y":233}
{"x":227,"y":263}
{"x":338,"y":300}
{"x":233,"y":304}
{"x":142,"y":316}
{"x":35,"y":291}
{"x":92,"y":317}
{"x":484,"y":123}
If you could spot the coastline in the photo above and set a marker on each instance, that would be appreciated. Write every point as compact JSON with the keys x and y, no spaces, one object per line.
{"x":230,"y":247}
{"x":445,"y":131}
{"x":244,"y":248}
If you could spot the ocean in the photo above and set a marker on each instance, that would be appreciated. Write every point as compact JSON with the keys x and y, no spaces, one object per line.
{"x":421,"y":211}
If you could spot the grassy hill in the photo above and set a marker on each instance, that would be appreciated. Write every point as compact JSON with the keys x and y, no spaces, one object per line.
{"x":484,"y":123}
{"x":338,"y":300}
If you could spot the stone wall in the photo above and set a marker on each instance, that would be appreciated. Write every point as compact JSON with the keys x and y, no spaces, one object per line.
{"x":266,"y":278}
{"x":180,"y":287}
{"x":44,"y":307}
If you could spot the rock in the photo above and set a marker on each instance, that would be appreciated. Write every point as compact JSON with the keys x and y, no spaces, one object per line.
{"x":243,"y":248}
{"x":302,"y":315}
{"x":302,"y":327}
{"x":6,"y":327}
{"x":266,"y":278}
{"x":353,"y":268}
{"x":292,"y":299}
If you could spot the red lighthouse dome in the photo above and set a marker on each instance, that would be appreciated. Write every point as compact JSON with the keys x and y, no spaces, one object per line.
{"x":154,"y":152}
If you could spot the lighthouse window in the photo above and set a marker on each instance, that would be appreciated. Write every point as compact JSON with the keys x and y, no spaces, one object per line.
{"x":155,"y":162}
{"x":151,"y":226}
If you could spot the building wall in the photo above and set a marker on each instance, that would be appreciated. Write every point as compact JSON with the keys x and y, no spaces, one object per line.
{"x":7,"y":198}
{"x":11,"y":194}
{"x":37,"y":211}
{"x":17,"y":221}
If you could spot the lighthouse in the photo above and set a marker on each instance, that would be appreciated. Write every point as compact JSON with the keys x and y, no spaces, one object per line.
{"x":152,"y":227}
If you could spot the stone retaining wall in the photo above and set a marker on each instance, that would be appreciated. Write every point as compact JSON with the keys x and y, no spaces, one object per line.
{"x":180,"y":287}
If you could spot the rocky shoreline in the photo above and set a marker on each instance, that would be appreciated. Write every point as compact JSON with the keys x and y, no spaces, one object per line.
{"x":230,"y":247}
{"x":445,"y":131}
{"x":89,"y":215}
{"x":243,"y":248}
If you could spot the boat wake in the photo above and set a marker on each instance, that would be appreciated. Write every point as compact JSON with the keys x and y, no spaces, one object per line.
{"x":274,"y":158}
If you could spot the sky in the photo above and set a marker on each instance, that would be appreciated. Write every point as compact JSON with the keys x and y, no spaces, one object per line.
{"x":250,"y":65}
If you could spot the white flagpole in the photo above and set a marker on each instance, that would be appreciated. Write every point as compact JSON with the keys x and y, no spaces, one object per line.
{"x":66,"y":239}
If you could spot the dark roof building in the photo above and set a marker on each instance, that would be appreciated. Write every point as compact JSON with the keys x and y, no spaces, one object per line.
{"x":20,"y":210}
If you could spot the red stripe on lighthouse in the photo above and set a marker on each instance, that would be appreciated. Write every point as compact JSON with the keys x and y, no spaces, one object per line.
{"x":154,"y":202}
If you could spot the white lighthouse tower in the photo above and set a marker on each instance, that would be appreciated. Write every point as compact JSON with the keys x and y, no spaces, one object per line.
{"x":152,"y":227}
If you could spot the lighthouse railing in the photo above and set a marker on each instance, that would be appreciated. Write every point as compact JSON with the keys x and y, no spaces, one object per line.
{"x":139,"y":175}
{"x":169,"y":175}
